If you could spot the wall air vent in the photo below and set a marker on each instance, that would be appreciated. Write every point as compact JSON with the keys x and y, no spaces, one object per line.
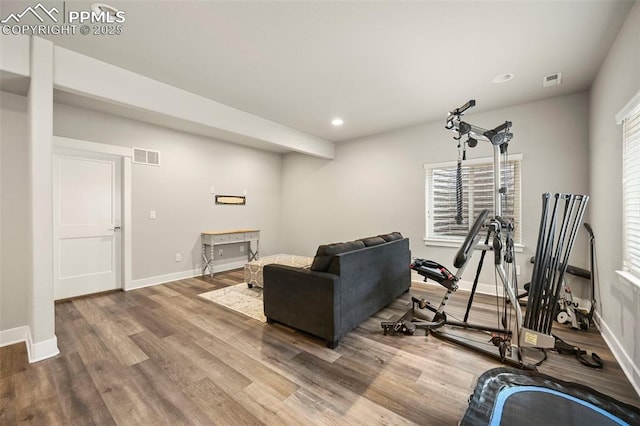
{"x":552,"y":79}
{"x":146,"y":156}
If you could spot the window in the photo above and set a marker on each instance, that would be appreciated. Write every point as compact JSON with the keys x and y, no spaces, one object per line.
{"x":478,"y":194}
{"x":629,"y":117}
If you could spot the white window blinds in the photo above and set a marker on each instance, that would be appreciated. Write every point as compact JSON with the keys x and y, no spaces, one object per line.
{"x":478,"y":194}
{"x":631,"y":192}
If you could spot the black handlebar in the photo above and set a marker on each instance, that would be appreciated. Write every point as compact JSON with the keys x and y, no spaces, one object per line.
{"x":463,"y":254}
{"x":464,"y":107}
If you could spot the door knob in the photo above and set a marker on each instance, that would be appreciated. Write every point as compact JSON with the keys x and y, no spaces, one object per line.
{"x":115,"y":228}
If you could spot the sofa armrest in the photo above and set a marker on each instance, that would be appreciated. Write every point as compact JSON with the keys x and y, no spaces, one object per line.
{"x":304,"y":299}
{"x":371,"y":278}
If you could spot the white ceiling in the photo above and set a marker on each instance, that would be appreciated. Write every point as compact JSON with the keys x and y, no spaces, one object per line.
{"x":378,"y":65}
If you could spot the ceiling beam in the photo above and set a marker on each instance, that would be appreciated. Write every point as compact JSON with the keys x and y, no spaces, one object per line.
{"x":85,"y":76}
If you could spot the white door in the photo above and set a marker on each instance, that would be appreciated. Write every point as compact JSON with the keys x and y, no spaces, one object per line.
{"x":86,"y":213}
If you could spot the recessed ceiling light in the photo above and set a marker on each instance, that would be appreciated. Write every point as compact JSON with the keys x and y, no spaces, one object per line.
{"x":337,"y":121}
{"x":102,"y":8}
{"x":502,"y":78}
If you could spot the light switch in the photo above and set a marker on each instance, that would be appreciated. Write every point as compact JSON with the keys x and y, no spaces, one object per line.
{"x":152,"y":214}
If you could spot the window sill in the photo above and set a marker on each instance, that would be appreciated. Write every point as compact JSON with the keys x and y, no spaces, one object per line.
{"x":519,"y":248}
{"x":626,"y":277}
{"x":442,"y":243}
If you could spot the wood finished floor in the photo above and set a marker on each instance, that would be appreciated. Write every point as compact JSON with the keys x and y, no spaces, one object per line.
{"x":162,"y":355}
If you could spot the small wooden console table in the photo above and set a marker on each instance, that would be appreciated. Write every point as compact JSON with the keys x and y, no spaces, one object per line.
{"x":212,"y":239}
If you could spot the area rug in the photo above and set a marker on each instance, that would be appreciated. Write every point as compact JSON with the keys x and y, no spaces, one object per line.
{"x":240,"y":298}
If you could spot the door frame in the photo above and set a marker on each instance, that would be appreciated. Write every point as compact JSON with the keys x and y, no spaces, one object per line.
{"x":126,"y":155}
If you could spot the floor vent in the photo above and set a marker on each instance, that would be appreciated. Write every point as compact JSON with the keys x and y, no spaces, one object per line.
{"x":552,"y":79}
{"x":146,"y":156}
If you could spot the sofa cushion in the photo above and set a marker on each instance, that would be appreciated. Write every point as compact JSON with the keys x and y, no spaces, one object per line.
{"x":325,"y":253}
{"x":391,"y":237}
{"x":373,"y":241}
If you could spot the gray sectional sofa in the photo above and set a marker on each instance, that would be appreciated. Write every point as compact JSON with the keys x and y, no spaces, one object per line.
{"x":346,"y":284}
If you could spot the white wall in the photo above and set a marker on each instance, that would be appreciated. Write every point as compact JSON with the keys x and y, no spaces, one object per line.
{"x":14,"y":212}
{"x":618,"y":80}
{"x":179,"y":190}
{"x":376,"y":184}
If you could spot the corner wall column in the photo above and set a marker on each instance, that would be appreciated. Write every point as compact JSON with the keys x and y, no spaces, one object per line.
{"x":42,"y":342}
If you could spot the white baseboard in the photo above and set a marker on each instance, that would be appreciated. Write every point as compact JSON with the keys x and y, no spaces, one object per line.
{"x":37,"y":351}
{"x":482,"y":288}
{"x":162,"y":279}
{"x":631,"y":370}
{"x":13,"y":335}
{"x":229,"y":266}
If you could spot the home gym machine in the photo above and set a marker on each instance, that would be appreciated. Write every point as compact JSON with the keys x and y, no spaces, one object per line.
{"x":561,"y":217}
